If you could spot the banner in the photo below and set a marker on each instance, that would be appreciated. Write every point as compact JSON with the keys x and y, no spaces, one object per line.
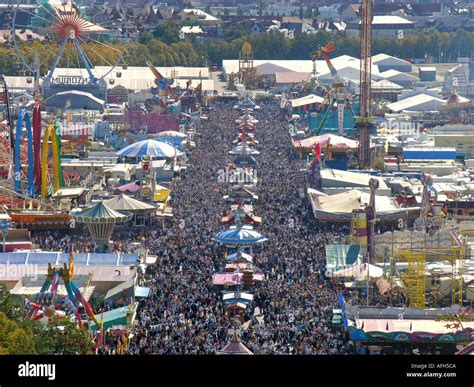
{"x":340,"y":117}
{"x":161,"y":195}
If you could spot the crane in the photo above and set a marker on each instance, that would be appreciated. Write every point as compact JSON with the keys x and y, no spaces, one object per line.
{"x":364,"y":123}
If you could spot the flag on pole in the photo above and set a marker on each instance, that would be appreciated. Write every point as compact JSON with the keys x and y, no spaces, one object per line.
{"x":71,"y":263}
{"x":102,"y":333}
{"x":317,"y":151}
{"x":340,"y":117}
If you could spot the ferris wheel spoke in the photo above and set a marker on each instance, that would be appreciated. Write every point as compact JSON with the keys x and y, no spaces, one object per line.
{"x":95,"y":52}
{"x":39,"y":17}
{"x":53,"y":15}
{"x":89,"y":39}
{"x":88,"y":63}
{"x":116,"y":35}
{"x":78,"y":59}
{"x":62,"y":23}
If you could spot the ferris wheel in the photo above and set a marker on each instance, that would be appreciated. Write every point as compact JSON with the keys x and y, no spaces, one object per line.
{"x":77,"y":38}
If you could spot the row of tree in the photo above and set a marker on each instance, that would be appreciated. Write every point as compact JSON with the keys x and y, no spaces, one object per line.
{"x":164,"y":48}
{"x":438,"y":47}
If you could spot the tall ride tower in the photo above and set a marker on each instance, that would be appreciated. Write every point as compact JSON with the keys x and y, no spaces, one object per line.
{"x":248,"y":75}
{"x":364,"y":124}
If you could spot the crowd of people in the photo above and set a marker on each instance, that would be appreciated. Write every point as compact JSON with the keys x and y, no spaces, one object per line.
{"x":291,"y":312}
{"x":292,"y":308}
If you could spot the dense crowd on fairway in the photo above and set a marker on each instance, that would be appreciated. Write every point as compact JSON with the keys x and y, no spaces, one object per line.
{"x":292,"y":308}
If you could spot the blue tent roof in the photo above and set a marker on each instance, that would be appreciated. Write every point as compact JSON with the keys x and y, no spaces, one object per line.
{"x":149,"y":147}
{"x":239,"y":236}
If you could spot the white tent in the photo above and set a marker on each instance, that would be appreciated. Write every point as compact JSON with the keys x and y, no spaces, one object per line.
{"x":124,"y":202}
{"x":360,"y":272}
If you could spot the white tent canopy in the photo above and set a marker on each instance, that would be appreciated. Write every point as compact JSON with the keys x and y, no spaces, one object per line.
{"x":124,"y":202}
{"x":306,"y":100}
{"x":360,"y":272}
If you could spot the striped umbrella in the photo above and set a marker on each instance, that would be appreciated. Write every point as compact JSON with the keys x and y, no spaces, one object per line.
{"x":239,"y":236}
{"x":149,"y":147}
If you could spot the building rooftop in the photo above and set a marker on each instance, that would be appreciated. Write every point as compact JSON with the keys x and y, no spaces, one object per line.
{"x":350,"y":178}
{"x":413,"y":101}
{"x":205,"y":16}
{"x":397,"y":74}
{"x":390,"y":19}
{"x":385,"y":57}
{"x":291,"y":77}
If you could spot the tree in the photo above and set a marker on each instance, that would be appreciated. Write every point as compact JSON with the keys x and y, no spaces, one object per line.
{"x":13,"y":339}
{"x":145,"y":37}
{"x":22,"y":336}
{"x":167,"y":32}
{"x":64,"y":337}
{"x":235,"y":32}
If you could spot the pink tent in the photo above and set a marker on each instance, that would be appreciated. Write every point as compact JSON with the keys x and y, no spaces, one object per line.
{"x":227,"y":278}
{"x":131,"y":187}
{"x":232,"y":279}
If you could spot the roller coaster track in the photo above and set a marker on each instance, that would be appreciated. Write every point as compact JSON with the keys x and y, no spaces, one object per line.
{"x":5,"y":100}
{"x":10,"y":196}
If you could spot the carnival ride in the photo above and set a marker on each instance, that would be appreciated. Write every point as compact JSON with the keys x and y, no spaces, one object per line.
{"x":363,"y":223}
{"x":248,"y":75}
{"x":30,"y":152}
{"x":67,"y":30}
{"x":37,"y":141}
{"x":337,"y":114}
{"x":7,"y":143}
{"x":365,"y":125}
{"x":19,"y":151}
{"x":192,"y":98}
{"x":24,"y":117}
{"x":73,"y":37}
{"x":415,"y":276}
{"x":53,"y":133}
{"x":159,"y":102}
{"x":48,"y":304}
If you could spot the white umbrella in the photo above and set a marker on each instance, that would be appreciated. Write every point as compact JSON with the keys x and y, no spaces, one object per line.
{"x":151,"y":148}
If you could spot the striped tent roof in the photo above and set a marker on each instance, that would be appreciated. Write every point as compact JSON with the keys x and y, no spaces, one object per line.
{"x":100,"y":213}
{"x":239,"y":236}
{"x":124,"y":202}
